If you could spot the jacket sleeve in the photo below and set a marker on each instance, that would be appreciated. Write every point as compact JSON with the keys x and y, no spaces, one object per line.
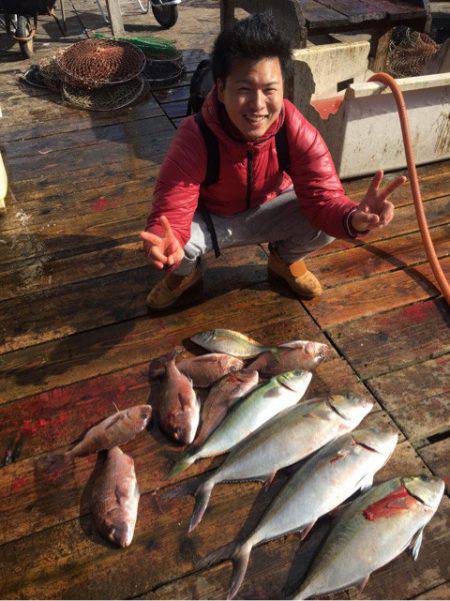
{"x":177,"y":188}
{"x":316,"y":183}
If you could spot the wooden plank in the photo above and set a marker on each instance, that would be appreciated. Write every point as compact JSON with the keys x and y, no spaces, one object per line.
{"x":433,"y":178}
{"x":356,"y":12}
{"x":115,"y":17}
{"x":437,"y":458}
{"x":131,"y":133}
{"x":175,"y":110}
{"x":46,"y":422}
{"x":53,"y":121}
{"x":381,"y":293}
{"x":141,"y":152}
{"x":440,"y":592}
{"x":257,"y":311}
{"x":161,"y":550}
{"x":405,"y":221}
{"x":58,"y":213}
{"x":172,"y":94}
{"x":417,"y":397}
{"x":318,"y":15}
{"x":46,"y":272}
{"x":382,"y":343}
{"x":78,"y":307}
{"x":377,"y":257}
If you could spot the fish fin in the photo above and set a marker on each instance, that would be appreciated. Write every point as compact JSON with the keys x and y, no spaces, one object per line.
{"x":269,"y":480}
{"x":416,"y":542}
{"x":310,"y":348}
{"x":307,"y":529}
{"x":157,"y":367}
{"x":202,"y":495}
{"x":115,"y":407}
{"x":366,"y":482}
{"x":240,"y":560}
{"x":362,"y":583}
{"x":187,"y":460}
{"x":220,"y":554}
{"x":114,"y":421}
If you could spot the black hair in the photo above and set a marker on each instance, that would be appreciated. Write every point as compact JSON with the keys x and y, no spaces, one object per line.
{"x":253,"y":38}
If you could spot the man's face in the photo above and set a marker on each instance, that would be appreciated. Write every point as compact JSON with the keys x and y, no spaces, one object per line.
{"x":253,"y":95}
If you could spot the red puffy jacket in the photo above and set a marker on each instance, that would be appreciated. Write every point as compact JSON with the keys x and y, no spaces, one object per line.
{"x":179,"y":185}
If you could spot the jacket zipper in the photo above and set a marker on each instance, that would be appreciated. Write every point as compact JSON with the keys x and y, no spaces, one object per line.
{"x":249,"y":176}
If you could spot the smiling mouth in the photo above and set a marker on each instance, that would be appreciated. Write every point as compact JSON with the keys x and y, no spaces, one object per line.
{"x":255,"y":120}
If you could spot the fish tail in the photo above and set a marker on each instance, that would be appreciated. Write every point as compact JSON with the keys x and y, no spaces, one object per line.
{"x":157,"y":367}
{"x":187,"y":460}
{"x":53,"y":465}
{"x":220,"y":554}
{"x":202,"y":495}
{"x":240,"y":560}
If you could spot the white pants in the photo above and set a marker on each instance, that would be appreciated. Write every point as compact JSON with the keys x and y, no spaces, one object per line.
{"x":278,"y":221}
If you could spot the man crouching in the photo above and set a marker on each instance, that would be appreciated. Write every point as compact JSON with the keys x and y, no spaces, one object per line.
{"x":249,"y":168}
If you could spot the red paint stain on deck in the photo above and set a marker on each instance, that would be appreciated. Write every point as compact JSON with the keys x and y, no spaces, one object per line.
{"x":18,"y":484}
{"x":327,"y":106}
{"x":100,"y":204}
{"x":31,"y":427}
{"x":416,"y":313}
{"x":397,"y":501}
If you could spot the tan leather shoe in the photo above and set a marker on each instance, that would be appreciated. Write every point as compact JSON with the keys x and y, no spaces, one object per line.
{"x":163,"y":295}
{"x":303,"y":282}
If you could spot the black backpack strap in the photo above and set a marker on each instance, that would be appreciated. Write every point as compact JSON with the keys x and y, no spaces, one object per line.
{"x":212,"y":152}
{"x":212,"y":175}
{"x":282,"y":146}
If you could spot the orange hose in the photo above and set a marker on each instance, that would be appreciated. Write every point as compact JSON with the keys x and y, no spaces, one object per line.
{"x":387,"y":80}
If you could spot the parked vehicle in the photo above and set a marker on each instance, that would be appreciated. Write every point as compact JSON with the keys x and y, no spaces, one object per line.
{"x":165,"y":12}
{"x":19,"y":19}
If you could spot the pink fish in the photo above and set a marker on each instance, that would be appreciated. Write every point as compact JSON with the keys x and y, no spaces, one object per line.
{"x":115,"y":498}
{"x":178,"y":408}
{"x":115,"y":430}
{"x":203,"y":370}
{"x":221,"y":397}
{"x":302,"y":354}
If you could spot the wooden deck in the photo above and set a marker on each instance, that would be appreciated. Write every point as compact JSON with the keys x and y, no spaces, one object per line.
{"x":76,"y":337}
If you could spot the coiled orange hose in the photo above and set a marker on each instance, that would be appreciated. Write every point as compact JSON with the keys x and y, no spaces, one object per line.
{"x":387,"y":80}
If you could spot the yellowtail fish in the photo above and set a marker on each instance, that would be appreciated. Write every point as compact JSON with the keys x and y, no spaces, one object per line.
{"x":258,"y":407}
{"x":229,"y":342}
{"x":372,"y":531}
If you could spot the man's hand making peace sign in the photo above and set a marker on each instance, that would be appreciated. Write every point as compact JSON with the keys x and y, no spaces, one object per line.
{"x":375,"y":210}
{"x":165,"y":251}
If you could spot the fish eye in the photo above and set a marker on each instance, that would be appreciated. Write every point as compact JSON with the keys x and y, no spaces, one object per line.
{"x":425,"y":478}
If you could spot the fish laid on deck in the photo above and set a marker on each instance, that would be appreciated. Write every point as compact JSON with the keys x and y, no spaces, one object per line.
{"x":222,"y":396}
{"x":327,"y":479}
{"x":115,"y":498}
{"x":203,"y":370}
{"x":117,"y":429}
{"x":291,"y":436}
{"x":260,"y":405}
{"x":178,"y":408}
{"x":302,"y":354}
{"x":375,"y":529}
{"x":230,"y":342}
